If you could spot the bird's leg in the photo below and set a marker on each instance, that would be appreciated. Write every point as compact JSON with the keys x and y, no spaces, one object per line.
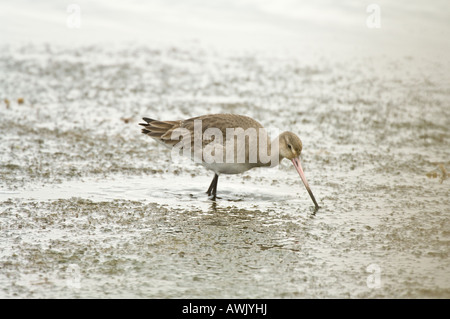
{"x":213,"y":186}
{"x":214,"y":191}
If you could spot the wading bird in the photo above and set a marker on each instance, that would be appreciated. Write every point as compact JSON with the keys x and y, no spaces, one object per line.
{"x":227,"y":144}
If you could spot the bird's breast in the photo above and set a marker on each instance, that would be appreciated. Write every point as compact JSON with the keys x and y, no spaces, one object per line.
{"x":228,"y":168}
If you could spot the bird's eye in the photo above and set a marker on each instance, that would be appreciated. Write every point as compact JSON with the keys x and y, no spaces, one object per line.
{"x":290,"y":147}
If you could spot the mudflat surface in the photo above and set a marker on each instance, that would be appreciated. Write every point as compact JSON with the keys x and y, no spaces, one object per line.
{"x":90,"y":207}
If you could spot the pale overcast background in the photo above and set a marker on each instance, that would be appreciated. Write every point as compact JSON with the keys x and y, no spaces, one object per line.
{"x":406,"y":28}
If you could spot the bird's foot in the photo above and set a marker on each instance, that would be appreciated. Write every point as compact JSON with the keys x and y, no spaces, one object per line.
{"x":213,"y":197}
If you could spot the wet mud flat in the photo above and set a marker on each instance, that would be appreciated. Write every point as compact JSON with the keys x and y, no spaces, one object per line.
{"x":89,"y":207}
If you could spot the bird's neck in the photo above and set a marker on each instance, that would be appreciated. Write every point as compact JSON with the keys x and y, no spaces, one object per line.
{"x":274,"y":154}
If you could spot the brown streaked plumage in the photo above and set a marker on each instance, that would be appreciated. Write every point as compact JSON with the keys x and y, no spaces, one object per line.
{"x":289,"y":144}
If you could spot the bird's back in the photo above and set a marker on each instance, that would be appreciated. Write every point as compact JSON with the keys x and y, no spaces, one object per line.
{"x":215,"y":132}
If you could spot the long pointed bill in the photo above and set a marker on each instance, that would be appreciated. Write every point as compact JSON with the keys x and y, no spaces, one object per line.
{"x":298,"y":167}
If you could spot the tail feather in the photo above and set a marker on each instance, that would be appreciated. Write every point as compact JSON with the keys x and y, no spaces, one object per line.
{"x":154,"y":134}
{"x":148,"y":120}
{"x":167,"y":135}
{"x":160,"y":130}
{"x":161,"y":125}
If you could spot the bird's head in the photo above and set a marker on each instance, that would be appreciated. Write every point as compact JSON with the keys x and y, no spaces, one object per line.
{"x":290,"y":147}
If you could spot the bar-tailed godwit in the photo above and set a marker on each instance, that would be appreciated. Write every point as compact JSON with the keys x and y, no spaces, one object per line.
{"x":218,"y":136}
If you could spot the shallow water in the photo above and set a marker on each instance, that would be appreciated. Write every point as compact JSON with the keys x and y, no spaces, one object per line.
{"x":92,"y":208}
